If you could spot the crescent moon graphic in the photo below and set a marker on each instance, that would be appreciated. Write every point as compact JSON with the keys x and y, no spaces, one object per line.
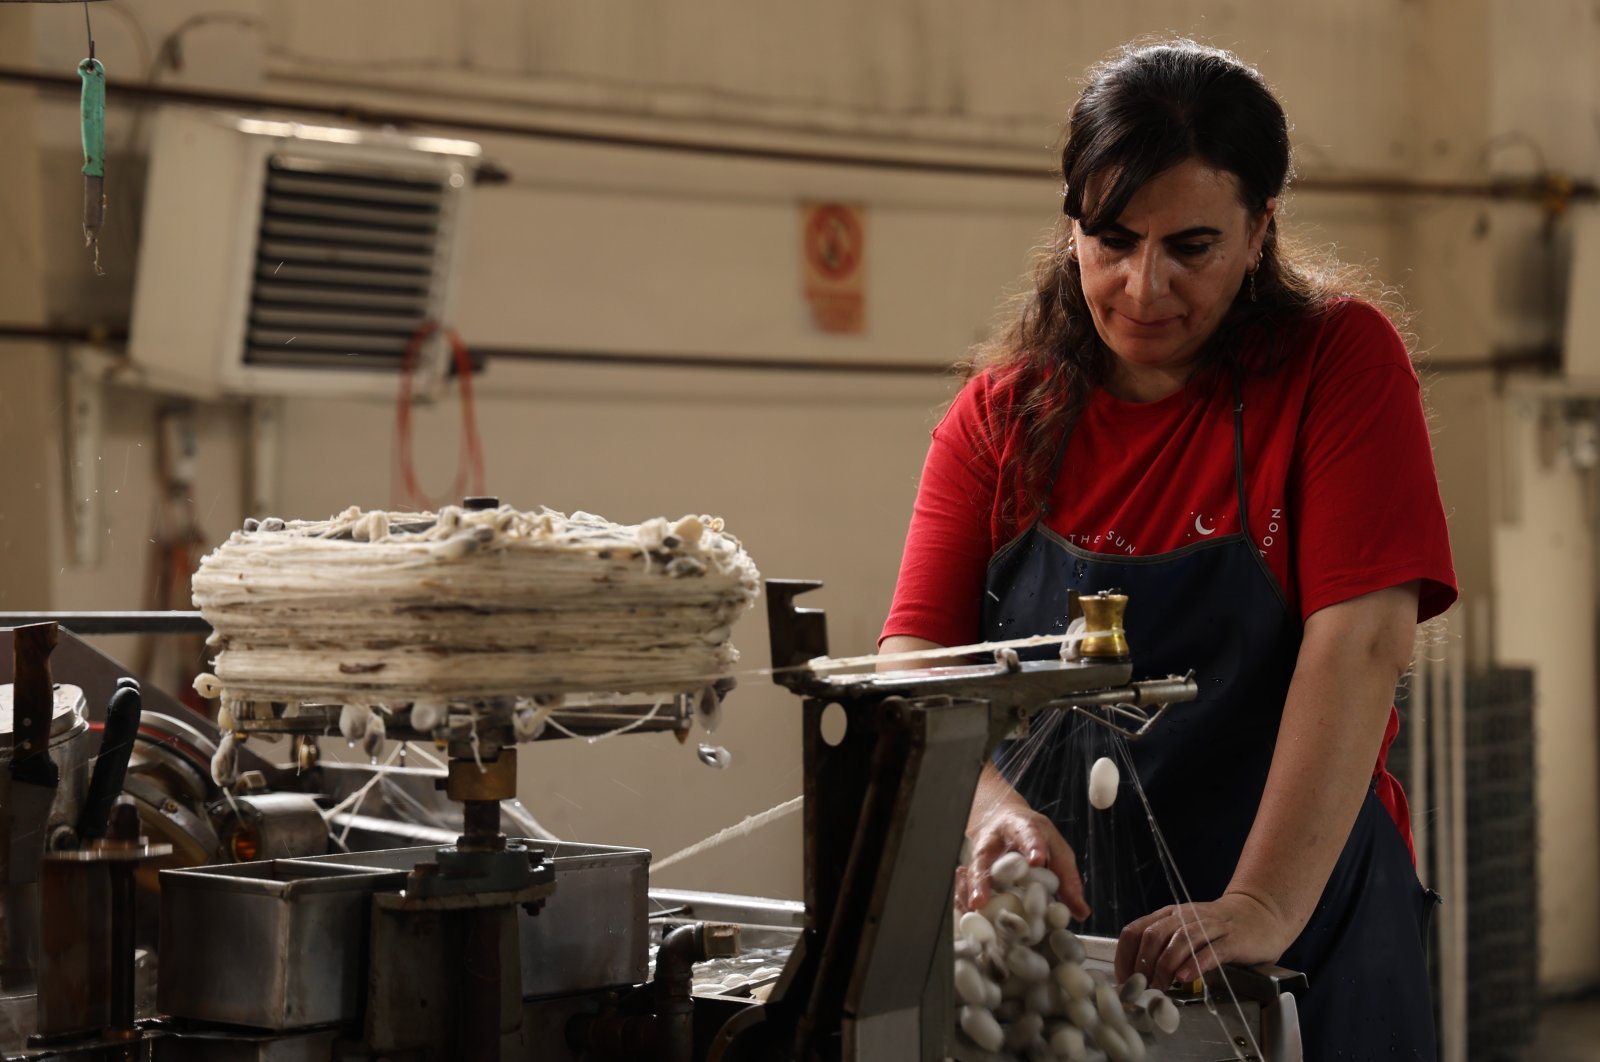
{"x":1202,"y":528}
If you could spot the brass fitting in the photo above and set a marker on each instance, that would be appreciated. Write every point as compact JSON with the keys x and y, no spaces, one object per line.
{"x":1104,"y":638}
{"x":497,"y":780}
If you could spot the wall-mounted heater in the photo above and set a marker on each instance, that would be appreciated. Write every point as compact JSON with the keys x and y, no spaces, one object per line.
{"x":281,"y":257}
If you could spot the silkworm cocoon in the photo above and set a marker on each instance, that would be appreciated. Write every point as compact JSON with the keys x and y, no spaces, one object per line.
{"x":1067,"y":1042}
{"x":1111,"y":1041}
{"x":225,"y":764}
{"x":1133,"y":987}
{"x":427,"y":716}
{"x":994,"y":962}
{"x":1008,"y":659}
{"x":1132,"y":1043}
{"x":1044,"y":876}
{"x":224,"y":718}
{"x":991,"y":994}
{"x":1109,"y":1004}
{"x":715,"y":756}
{"x":1027,"y":964}
{"x":372,"y":740}
{"x":1002,"y":901}
{"x":690,"y":530}
{"x":1034,"y":901}
{"x":1081,"y":1013}
{"x":1023,"y":1031}
{"x":1075,"y":981}
{"x":353,"y":721}
{"x":1043,"y":998}
{"x":1057,"y":916}
{"x":1103,"y":781}
{"x":272,"y":523}
{"x":1036,"y":931}
{"x":966,"y":948}
{"x":969,"y":983}
{"x":653,"y":533}
{"x":1067,"y":948}
{"x":975,"y":927}
{"x":207,"y":685}
{"x":1009,"y":869}
{"x":1011,"y":926}
{"x":1163,"y":1012}
{"x":371,"y":527}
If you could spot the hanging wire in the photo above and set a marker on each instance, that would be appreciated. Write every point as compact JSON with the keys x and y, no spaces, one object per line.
{"x":88,"y":31}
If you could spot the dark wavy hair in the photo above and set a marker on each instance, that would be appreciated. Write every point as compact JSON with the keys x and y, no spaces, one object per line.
{"x":1144,"y":111}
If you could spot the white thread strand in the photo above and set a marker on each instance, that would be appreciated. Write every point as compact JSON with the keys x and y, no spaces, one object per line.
{"x":593,"y":739}
{"x":1169,"y":867}
{"x":749,"y":824}
{"x":839,"y":663}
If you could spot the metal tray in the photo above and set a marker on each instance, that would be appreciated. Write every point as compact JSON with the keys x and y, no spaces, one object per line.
{"x":283,"y":944}
{"x":592,"y":933}
{"x":273,"y":945}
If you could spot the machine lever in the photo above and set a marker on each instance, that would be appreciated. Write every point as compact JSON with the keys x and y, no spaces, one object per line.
{"x":111,"y":766}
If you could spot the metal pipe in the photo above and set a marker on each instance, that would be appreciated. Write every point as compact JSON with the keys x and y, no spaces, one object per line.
{"x":478,"y":987}
{"x":480,"y":825}
{"x":705,"y":361}
{"x":675,"y":959}
{"x":1545,"y":358}
{"x":120,"y":876}
{"x":1543,"y":189}
{"x":122,"y":832}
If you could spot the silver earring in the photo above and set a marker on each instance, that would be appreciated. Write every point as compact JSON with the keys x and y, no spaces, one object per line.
{"x":1072,"y":247}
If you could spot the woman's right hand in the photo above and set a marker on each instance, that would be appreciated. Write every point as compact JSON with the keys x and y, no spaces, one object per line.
{"x":1011,"y":826}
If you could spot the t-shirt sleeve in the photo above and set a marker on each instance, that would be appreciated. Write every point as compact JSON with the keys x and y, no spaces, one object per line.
{"x":1363,"y":483}
{"x":949,"y":542}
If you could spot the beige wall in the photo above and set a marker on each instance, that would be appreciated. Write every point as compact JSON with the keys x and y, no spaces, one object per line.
{"x":30,"y":470}
{"x":618,"y":250}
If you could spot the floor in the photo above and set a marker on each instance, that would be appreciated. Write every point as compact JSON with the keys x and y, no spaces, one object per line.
{"x":1568,"y":1032}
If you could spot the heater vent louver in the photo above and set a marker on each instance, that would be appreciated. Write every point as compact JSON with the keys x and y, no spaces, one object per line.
{"x":345,"y":266}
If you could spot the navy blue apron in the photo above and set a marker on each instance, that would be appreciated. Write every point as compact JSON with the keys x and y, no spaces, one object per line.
{"x":1215,"y":607}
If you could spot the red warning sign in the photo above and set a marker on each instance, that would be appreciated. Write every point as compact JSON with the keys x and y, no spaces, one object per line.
{"x":834,"y":242}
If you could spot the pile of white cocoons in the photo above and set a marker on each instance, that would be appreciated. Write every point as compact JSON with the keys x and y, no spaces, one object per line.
{"x":1024,"y":990}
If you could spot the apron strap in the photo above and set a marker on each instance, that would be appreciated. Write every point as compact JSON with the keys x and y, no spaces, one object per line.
{"x":1055,"y":473}
{"x":1238,"y":452}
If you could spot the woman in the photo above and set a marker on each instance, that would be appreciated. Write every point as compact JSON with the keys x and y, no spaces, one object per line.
{"x":1188,"y":411}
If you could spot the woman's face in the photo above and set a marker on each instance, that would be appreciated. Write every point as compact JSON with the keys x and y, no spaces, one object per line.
{"x":1160,"y":279}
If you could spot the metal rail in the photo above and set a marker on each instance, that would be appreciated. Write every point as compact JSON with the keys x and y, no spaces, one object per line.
{"x":113,"y":622}
{"x":1540,"y":189}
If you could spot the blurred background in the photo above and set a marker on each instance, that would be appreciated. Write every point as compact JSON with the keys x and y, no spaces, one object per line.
{"x":719,"y":257}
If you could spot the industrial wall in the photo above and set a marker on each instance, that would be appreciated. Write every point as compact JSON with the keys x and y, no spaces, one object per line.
{"x":591,"y":247}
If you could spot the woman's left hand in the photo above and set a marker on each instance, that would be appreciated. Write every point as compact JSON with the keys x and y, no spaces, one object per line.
{"x":1182,"y":942}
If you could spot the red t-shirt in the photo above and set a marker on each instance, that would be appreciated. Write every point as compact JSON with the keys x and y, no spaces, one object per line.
{"x":1339,"y":480}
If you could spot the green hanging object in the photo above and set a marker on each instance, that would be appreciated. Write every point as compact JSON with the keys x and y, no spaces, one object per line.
{"x":92,"y":112}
